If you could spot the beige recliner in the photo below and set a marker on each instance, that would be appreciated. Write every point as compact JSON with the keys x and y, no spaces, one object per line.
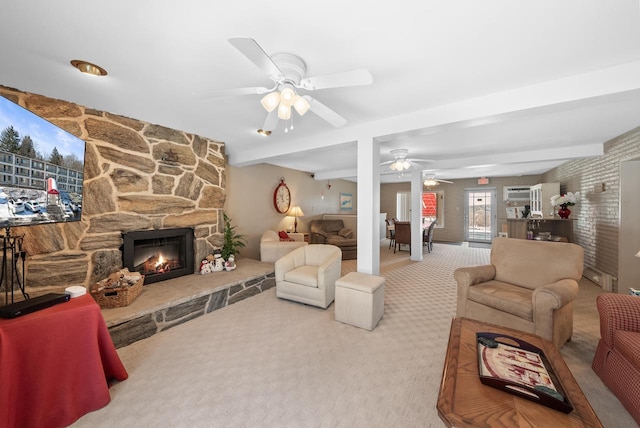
{"x":308,"y":274}
{"x":529,"y":286}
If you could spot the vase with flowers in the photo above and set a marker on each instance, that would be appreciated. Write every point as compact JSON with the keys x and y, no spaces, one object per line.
{"x":564,"y":202}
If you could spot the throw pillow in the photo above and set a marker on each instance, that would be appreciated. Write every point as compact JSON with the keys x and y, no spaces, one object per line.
{"x":283,"y":236}
{"x":345,"y":233}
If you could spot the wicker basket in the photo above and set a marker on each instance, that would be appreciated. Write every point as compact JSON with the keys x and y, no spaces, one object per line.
{"x":116,"y":297}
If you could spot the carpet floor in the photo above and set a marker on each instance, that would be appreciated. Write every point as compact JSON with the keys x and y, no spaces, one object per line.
{"x":267,"y":362}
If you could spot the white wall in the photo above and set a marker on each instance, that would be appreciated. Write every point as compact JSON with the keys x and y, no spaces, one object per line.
{"x":249,"y":201}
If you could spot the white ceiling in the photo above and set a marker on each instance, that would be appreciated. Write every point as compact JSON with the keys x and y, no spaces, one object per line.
{"x":519,"y":86}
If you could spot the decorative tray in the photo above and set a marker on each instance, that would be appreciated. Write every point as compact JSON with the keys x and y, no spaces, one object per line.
{"x":515,"y":366}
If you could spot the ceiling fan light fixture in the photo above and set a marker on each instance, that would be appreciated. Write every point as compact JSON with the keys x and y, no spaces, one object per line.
{"x":301,"y":105}
{"x":270,"y":101}
{"x":288,"y":96}
{"x":284,"y":112}
{"x":264,"y":133}
{"x":430,"y":182}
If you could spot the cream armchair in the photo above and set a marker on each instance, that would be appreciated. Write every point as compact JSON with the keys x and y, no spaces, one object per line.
{"x":272,"y":248}
{"x":529,"y":286}
{"x":309,"y":274}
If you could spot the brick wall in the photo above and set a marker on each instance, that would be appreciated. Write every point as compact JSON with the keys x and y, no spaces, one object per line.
{"x":596,"y":217}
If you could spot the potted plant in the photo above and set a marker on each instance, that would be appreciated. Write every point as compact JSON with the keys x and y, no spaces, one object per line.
{"x":232,"y":240}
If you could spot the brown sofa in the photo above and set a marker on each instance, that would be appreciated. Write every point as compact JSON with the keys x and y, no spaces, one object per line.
{"x":529,"y":286}
{"x":333,"y":232}
{"x":617,"y":359}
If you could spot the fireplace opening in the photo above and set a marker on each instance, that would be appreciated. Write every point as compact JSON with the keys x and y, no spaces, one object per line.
{"x":159,"y":254}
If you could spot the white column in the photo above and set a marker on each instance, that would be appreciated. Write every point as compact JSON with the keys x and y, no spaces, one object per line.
{"x":368,"y":206}
{"x":416,"y":215}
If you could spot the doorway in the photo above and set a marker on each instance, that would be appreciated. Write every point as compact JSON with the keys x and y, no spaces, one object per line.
{"x":480,"y":215}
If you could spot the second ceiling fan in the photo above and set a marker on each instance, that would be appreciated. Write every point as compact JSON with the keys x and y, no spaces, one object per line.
{"x":288,"y":72}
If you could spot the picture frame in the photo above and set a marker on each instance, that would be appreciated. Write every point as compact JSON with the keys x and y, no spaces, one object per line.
{"x":512,"y":212}
{"x":346,"y":201}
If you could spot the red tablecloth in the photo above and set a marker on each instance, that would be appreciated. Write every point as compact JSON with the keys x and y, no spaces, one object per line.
{"x":55,"y":365}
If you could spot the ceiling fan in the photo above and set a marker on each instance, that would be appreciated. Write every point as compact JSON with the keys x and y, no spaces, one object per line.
{"x":431,"y":181}
{"x":402,"y":163}
{"x":288,"y":73}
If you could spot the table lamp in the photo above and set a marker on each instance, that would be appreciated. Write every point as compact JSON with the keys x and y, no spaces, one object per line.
{"x":296,"y":211}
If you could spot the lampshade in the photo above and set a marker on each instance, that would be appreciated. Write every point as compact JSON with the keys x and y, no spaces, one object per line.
{"x":638,"y":254}
{"x":271,"y":101}
{"x":301,"y":105}
{"x":284,"y":112}
{"x":296,"y":211}
{"x":287,"y":96}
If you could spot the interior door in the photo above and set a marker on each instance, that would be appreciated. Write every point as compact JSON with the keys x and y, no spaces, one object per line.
{"x":480,"y":215}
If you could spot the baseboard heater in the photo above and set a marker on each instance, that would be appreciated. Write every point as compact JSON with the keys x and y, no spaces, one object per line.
{"x":604,"y":280}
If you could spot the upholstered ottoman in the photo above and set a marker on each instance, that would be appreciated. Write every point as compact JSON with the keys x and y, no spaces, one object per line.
{"x":359,"y":299}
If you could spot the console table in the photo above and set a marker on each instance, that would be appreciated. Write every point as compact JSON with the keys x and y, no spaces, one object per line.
{"x":558,"y":227}
{"x":55,"y":365}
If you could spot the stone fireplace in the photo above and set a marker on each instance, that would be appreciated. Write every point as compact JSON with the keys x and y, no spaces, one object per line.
{"x":159,"y":254}
{"x":138,"y":176}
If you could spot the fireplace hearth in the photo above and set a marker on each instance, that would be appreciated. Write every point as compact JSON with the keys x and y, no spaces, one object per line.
{"x":159,"y":254}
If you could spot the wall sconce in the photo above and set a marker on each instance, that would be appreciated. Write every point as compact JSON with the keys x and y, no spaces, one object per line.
{"x":599,"y":188}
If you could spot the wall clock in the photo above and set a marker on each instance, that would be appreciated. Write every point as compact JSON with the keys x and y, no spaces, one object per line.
{"x":282,"y":197}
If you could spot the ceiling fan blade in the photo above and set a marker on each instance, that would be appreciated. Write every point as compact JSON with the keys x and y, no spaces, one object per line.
{"x":271,"y":121}
{"x":358,"y":77}
{"x":444,"y":181}
{"x":219,"y":93}
{"x":252,"y":50}
{"x":421,"y":160}
{"x":325,"y":112}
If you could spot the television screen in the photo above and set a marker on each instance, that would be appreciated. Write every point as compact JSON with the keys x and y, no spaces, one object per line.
{"x":41,"y":169}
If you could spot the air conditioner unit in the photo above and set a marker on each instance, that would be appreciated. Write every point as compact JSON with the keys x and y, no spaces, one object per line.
{"x":516,"y":193}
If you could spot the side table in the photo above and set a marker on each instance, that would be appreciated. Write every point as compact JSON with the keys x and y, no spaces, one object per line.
{"x":55,"y":365}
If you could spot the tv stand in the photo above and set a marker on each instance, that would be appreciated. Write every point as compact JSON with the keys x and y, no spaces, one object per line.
{"x":10,"y":276}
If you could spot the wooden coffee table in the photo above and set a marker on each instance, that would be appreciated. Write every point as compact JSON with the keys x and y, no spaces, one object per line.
{"x":463,"y":401}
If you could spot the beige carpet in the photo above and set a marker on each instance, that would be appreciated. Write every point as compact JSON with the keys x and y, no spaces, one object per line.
{"x":266,"y":362}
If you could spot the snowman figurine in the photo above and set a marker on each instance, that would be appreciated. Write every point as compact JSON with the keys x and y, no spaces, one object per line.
{"x":218,"y":263}
{"x":231,"y":263}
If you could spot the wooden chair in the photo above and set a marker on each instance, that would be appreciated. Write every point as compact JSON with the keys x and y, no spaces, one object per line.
{"x":403,"y":235}
{"x":428,"y":236}
{"x":392,"y":231}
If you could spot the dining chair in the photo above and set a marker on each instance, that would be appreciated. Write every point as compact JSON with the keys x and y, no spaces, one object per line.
{"x":402,"y":235}
{"x":428,"y":236}
{"x":392,"y":231}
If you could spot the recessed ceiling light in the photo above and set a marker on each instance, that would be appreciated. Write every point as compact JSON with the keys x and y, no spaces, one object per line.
{"x":264,"y":133}
{"x":88,"y":68}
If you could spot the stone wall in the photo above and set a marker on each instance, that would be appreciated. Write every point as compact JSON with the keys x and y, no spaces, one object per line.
{"x":137,"y":176}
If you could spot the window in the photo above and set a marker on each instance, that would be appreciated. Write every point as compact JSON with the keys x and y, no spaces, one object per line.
{"x":432,"y":207}
{"x":403,"y":206}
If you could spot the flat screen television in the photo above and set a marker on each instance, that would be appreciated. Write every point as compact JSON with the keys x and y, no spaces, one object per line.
{"x":41,"y":169}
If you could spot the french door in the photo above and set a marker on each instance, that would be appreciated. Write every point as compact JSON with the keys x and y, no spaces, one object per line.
{"x":480,"y":215}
